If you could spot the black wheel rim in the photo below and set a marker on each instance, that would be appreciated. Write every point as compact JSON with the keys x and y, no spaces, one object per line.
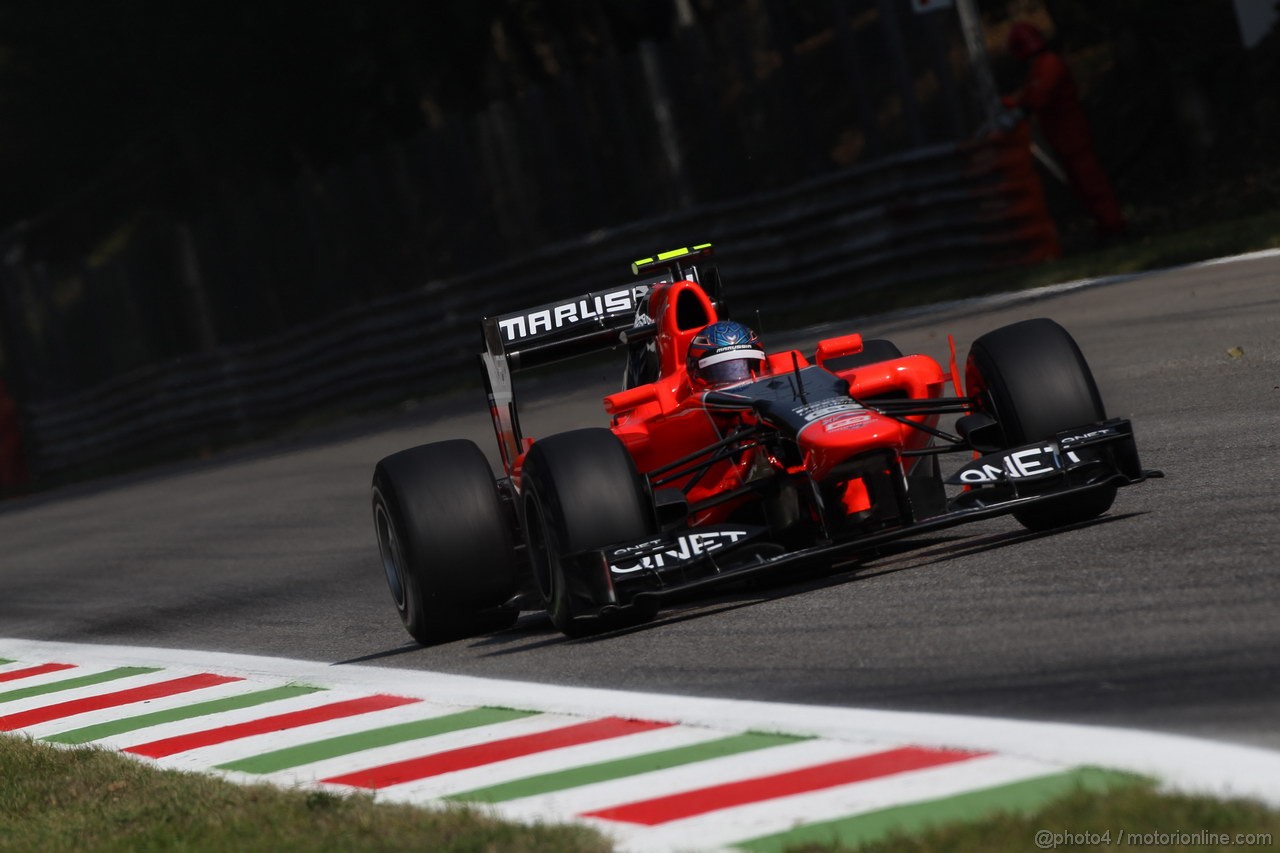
{"x":392,"y":555}
{"x":539,"y":549}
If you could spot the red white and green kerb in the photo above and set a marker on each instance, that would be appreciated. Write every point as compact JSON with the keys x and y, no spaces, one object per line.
{"x":651,"y":783}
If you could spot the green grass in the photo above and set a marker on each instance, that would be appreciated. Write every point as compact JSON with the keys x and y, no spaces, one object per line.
{"x":1137,"y":254}
{"x":1151,"y":252}
{"x":89,"y":799}
{"x":1133,"y":816}
{"x":55,"y":799}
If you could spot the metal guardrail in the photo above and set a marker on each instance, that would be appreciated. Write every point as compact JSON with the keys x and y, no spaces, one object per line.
{"x":939,"y":210}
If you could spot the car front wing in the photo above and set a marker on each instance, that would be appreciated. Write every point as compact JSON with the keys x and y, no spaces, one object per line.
{"x":1074,"y":463}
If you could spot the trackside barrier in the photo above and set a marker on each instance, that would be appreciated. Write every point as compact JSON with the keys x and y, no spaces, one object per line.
{"x":13,"y":463}
{"x":942,"y":210}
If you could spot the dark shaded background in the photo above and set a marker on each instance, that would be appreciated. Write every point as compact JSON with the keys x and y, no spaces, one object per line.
{"x":259,"y":166}
{"x":111,"y":107}
{"x":142,"y":102}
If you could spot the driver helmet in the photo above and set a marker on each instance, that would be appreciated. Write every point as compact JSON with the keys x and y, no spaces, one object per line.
{"x":724,"y":353}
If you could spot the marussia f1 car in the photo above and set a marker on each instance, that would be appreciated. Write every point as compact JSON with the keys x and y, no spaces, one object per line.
{"x":808,"y":459}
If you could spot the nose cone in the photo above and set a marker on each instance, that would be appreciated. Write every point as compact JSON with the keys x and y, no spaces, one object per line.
{"x":831,"y":440}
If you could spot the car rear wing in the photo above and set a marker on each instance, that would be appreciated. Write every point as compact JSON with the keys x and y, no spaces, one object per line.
{"x":577,"y":326}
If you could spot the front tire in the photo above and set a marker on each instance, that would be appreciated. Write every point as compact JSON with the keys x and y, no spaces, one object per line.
{"x":580,"y":491}
{"x":445,"y":541}
{"x":1034,"y":380}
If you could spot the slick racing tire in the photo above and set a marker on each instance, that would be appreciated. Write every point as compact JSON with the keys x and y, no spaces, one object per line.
{"x":445,"y":541}
{"x":580,"y":491}
{"x":1032,"y":378}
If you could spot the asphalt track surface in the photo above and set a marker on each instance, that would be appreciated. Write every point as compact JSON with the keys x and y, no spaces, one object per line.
{"x":1161,"y":615}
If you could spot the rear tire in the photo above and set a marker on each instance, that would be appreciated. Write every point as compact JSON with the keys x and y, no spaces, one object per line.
{"x":580,"y":491}
{"x":1032,"y":378}
{"x":445,"y":541}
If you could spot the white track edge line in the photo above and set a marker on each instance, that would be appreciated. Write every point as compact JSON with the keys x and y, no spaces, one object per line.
{"x":1180,"y":762}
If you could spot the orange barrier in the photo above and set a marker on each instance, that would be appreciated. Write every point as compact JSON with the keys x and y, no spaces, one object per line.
{"x":1022,"y":197}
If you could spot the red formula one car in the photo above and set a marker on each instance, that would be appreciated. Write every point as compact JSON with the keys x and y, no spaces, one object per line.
{"x":723,"y":460}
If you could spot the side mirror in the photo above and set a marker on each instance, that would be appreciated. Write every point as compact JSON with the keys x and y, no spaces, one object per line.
{"x":837,"y":347}
{"x":632,"y":398}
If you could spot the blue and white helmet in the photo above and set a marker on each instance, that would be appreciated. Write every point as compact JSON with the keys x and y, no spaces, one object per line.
{"x":723,"y":353}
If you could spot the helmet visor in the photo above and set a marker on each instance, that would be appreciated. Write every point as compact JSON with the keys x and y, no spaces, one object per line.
{"x":738,"y":370}
{"x":722,"y":371}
